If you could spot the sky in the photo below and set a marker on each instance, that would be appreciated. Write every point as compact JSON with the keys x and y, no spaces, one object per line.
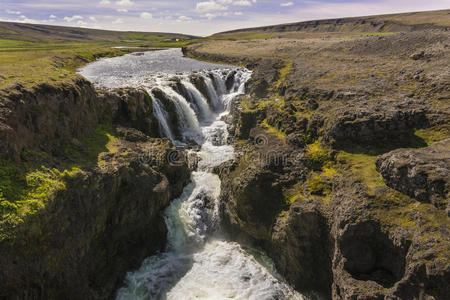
{"x":197,"y":17}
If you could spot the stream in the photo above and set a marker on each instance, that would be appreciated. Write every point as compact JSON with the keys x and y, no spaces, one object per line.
{"x":190,"y":99}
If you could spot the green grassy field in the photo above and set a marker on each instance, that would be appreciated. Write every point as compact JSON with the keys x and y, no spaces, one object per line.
{"x":31,"y":54}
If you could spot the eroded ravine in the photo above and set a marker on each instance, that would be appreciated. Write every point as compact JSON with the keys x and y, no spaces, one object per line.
{"x":190,"y":99}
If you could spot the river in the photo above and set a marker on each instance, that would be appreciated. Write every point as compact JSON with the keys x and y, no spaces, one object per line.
{"x":190,"y":99}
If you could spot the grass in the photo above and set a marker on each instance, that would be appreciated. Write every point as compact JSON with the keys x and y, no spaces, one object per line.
{"x":283,"y":73}
{"x":362,"y":166}
{"x":433,"y":135}
{"x":87,"y":151}
{"x":29,"y":56}
{"x":240,"y":36}
{"x":25,"y":189}
{"x":318,"y":155}
{"x":280,"y":134}
{"x":33,"y":63}
{"x":23,"y":192}
{"x":370,"y":34}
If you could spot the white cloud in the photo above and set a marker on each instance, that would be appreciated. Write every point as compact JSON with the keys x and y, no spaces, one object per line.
{"x":124,"y":2}
{"x":81,"y":23}
{"x":286,"y":4}
{"x":73,"y":18}
{"x":105,"y":2}
{"x":52,"y":17}
{"x":118,"y":21}
{"x":208,"y":6}
{"x":12,"y":12}
{"x":238,"y":13}
{"x":242,"y":3}
{"x":146,"y":15}
{"x":122,"y":10}
{"x":184,"y":19}
{"x":93,"y":19}
{"x":210,"y":16}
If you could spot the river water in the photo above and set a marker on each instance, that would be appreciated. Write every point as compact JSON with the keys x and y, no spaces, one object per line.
{"x":197,"y":263}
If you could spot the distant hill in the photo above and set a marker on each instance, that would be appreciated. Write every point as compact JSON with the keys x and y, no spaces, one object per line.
{"x":381,"y":23}
{"x":55,"y":34}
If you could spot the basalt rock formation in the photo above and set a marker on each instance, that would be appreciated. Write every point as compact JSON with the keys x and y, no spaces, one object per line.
{"x":420,"y":173}
{"x":103,"y":196}
{"x":341,"y":174}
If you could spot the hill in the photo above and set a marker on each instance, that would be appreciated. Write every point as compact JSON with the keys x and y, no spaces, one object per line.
{"x":31,"y":53}
{"x":51,"y":34}
{"x":381,"y":23}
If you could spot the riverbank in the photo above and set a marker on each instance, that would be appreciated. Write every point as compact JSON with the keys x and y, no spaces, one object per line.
{"x":341,"y":215}
{"x":35,"y":54}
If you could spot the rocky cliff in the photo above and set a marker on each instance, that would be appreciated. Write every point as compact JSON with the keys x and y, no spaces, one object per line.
{"x":341,"y":174}
{"x":83,"y":186}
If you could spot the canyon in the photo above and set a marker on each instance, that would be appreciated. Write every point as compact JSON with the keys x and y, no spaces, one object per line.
{"x":312,"y":163}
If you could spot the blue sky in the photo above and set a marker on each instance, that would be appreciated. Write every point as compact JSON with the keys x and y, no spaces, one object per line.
{"x":199,"y":17}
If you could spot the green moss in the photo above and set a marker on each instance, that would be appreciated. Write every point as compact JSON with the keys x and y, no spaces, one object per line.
{"x":86,"y":152}
{"x":318,"y":186}
{"x":280,"y":134}
{"x":318,"y":155}
{"x":23,"y":192}
{"x":433,"y":135}
{"x":288,"y":67}
{"x":362,"y":166}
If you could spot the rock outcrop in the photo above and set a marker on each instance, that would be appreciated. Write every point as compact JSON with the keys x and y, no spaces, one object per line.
{"x":420,"y":173}
{"x":331,"y":225}
{"x":105,"y":215}
{"x":106,"y":221}
{"x":48,"y":116}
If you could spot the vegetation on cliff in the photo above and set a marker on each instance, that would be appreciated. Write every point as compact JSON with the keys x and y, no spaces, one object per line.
{"x":352,"y":112}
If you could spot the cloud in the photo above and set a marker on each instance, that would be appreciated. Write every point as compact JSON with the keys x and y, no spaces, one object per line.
{"x":238,"y":13}
{"x":286,"y":4}
{"x":118,"y":21}
{"x":210,"y":16}
{"x":52,"y":17}
{"x":146,"y":15}
{"x":208,"y":6}
{"x":12,"y":12}
{"x":184,"y":19}
{"x":122,"y":10}
{"x":242,"y":3}
{"x":105,"y":2}
{"x":73,"y":18}
{"x":93,"y":19}
{"x":124,"y":2}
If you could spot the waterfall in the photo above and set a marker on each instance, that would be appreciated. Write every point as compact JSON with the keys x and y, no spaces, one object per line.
{"x":212,"y":93}
{"x":198,"y":263}
{"x":162,"y":117}
{"x":220,"y":82}
{"x":202,"y":103}
{"x":187,"y":119}
{"x":193,"y":110}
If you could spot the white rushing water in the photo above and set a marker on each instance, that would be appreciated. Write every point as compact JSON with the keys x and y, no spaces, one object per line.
{"x":197,"y":263}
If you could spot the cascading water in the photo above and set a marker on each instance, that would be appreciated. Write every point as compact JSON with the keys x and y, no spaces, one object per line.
{"x":197,"y":263}
{"x":162,"y":116}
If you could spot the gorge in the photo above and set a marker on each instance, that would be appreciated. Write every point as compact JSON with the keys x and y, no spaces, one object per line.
{"x":301,"y":161}
{"x":197,"y":261}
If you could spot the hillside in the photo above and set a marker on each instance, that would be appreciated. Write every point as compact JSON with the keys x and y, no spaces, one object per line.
{"x":381,"y":23}
{"x":342,"y":153}
{"x":58,"y":34}
{"x":31,"y":54}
